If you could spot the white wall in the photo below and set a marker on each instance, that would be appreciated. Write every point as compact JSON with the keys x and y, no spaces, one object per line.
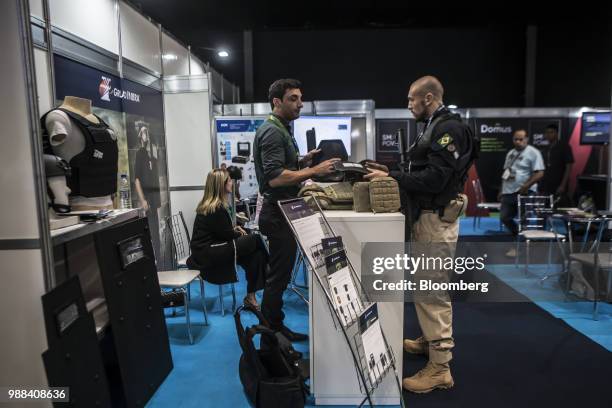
{"x":92,"y":20}
{"x":22,"y":337}
{"x":196,"y":66}
{"x":188,"y":139}
{"x":176,"y":57}
{"x":43,"y":81}
{"x":36,"y":9}
{"x":139,"y":39}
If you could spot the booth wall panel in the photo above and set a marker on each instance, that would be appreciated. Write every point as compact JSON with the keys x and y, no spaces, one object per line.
{"x":186,"y":201}
{"x":22,"y":336}
{"x":188,"y":138}
{"x":139,"y":39}
{"x":18,"y":216}
{"x":43,"y":81}
{"x":196,"y":67}
{"x":92,"y":20}
{"x":179,"y":66}
{"x":36,"y":9}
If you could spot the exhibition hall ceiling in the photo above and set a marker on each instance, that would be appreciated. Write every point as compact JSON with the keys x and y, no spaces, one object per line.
{"x":335,"y":14}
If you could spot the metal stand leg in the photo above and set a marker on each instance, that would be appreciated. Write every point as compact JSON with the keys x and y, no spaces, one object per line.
{"x":187,"y":298}
{"x":299,"y":262}
{"x":233,"y":298}
{"x":564,"y":269}
{"x":174,"y":308}
{"x":203,"y":300}
{"x":516,"y":257}
{"x":526,"y":257}
{"x":221,"y":300}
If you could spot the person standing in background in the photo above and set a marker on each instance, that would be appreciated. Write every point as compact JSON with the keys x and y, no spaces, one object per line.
{"x":558,"y":158}
{"x":523,"y":168}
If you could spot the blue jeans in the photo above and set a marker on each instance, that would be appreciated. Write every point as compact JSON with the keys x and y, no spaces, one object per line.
{"x":508,"y":211}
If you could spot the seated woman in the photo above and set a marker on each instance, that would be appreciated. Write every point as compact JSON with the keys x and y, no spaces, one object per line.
{"x":217,"y":245}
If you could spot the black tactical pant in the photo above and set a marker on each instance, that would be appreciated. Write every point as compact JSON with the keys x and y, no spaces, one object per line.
{"x":283,"y":248}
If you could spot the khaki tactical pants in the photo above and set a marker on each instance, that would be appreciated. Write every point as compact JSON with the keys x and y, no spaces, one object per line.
{"x":434,"y":309}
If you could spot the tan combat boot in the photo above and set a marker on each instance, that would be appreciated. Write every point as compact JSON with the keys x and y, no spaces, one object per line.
{"x":417,"y":346}
{"x":429,"y":378}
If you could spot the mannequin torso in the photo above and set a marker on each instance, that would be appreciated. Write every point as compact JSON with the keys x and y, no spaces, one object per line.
{"x":67,"y":140}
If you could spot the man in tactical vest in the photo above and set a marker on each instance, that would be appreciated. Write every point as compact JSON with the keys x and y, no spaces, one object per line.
{"x":432,"y":181}
{"x":279,"y":174}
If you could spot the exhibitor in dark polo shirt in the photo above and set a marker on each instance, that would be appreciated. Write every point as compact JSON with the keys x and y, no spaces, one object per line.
{"x":279,"y":174}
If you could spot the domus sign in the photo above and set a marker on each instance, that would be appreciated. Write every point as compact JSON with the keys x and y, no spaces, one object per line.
{"x":497,"y":128}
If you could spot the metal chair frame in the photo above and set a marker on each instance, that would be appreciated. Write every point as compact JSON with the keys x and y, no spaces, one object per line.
{"x":536,"y":205}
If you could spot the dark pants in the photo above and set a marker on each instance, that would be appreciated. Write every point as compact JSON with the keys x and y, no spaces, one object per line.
{"x":282,"y":257}
{"x":153,"y":220}
{"x":253,"y":257}
{"x":508,"y":211}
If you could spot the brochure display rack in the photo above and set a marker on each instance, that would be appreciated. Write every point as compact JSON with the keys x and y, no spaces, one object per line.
{"x":364,"y":365}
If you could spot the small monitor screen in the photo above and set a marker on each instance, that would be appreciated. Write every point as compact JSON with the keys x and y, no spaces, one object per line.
{"x":595,"y":128}
{"x":310,"y":130}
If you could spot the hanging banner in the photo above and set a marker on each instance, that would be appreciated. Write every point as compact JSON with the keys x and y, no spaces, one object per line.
{"x":235,"y":137}
{"x":146,"y":144}
{"x":387,"y":142}
{"x":135,"y":113}
{"x":537,"y":128}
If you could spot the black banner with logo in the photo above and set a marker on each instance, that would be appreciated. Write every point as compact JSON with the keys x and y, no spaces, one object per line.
{"x":387,"y":142}
{"x":135,"y":113}
{"x":495,"y":142}
{"x":537,"y":128}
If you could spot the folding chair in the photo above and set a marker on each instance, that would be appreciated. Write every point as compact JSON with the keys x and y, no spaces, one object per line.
{"x":482,"y":205}
{"x":533,"y":212}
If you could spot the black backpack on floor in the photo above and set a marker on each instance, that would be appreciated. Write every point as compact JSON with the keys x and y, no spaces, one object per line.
{"x":270,"y":376}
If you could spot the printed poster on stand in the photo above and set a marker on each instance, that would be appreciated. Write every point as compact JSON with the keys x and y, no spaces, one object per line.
{"x":376,"y":356}
{"x":235,"y":137}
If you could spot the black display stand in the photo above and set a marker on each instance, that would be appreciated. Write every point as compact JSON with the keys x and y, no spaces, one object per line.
{"x":315,"y":255}
{"x":73,"y":359}
{"x":114,"y":262}
{"x":133,"y":296}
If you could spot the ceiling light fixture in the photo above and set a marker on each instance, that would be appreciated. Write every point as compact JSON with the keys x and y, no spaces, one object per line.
{"x":223,"y":54}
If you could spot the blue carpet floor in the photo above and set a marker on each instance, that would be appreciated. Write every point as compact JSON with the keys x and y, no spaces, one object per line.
{"x":577,"y":314}
{"x":205,"y":374}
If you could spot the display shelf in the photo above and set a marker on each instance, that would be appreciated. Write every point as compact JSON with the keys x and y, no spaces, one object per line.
{"x":63,"y":235}
{"x":376,"y":370}
{"x":311,"y":229}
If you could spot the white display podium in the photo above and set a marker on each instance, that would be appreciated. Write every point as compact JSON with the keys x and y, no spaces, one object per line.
{"x":334,"y":379}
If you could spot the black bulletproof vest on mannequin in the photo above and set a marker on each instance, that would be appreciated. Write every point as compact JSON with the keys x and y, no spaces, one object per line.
{"x":94,"y":170}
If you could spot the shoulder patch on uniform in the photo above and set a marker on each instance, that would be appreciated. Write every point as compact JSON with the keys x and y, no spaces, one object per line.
{"x":445,"y":139}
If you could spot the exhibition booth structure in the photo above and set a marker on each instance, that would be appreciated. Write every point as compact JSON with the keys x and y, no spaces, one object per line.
{"x":112,"y":102}
{"x":584,"y":129}
{"x":124,"y":123}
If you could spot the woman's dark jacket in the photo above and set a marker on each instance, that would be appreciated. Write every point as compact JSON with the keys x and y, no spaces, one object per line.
{"x":212,"y":247}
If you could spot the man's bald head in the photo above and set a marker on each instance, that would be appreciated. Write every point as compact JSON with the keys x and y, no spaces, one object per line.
{"x":429,"y":84}
{"x":424,"y":97}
